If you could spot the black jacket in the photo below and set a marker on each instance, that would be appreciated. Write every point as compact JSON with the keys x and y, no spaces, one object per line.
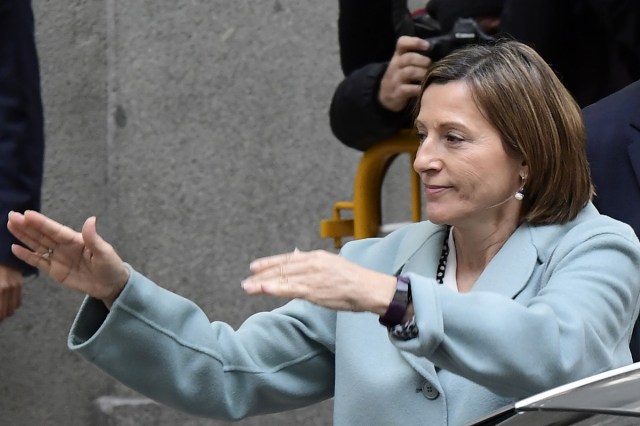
{"x":357,"y":118}
{"x":21,"y":121}
{"x":613,"y":148}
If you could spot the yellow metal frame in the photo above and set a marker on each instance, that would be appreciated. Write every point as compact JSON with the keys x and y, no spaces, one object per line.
{"x":366,"y":206}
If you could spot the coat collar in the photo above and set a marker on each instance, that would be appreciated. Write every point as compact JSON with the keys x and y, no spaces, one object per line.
{"x":510,"y":269}
{"x":507,"y":273}
{"x":423,"y":243}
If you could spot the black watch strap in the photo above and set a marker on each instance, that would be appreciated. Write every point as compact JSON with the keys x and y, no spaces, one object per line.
{"x":398,"y":306}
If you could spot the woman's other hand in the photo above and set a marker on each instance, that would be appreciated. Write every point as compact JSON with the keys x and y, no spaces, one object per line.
{"x":79,"y":261}
{"x":322,"y":278}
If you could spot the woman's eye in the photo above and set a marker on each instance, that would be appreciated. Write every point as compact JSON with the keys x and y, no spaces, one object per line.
{"x":421,"y":137}
{"x":454,"y":138}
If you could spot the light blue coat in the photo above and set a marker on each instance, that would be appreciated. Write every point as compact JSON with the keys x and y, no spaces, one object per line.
{"x":557,"y":303}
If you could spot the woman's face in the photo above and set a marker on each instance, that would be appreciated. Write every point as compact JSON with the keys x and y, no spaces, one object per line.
{"x":468,"y":176}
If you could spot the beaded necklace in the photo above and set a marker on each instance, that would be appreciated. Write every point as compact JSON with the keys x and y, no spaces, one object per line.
{"x":442,"y":264}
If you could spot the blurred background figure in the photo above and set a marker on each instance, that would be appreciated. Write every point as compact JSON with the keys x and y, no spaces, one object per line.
{"x":21,"y":138}
{"x":593,"y":45}
{"x":613,"y":148}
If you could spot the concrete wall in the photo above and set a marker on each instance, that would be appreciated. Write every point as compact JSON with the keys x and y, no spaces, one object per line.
{"x":197,"y":132}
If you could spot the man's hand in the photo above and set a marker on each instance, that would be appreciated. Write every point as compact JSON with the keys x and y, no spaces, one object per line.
{"x":10,"y":290}
{"x":401,"y":81}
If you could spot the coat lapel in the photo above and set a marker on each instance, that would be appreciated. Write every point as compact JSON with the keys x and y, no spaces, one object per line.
{"x":416,"y":248}
{"x":506,"y":274}
{"x":511,"y":268}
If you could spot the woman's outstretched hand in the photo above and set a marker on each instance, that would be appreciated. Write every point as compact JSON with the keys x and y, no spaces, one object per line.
{"x":79,"y":261}
{"x":323,"y":278}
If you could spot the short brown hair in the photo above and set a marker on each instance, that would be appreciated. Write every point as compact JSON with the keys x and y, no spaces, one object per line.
{"x":536,"y":117}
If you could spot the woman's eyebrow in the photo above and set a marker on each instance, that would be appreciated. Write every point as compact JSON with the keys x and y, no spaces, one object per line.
{"x":447,"y":123}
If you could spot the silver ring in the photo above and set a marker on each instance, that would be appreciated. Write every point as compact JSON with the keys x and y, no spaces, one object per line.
{"x":47,"y":255}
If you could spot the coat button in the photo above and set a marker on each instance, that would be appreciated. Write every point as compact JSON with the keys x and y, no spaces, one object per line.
{"x":429,"y":391}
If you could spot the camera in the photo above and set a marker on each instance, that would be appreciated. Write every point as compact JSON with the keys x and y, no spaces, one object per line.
{"x":465,"y":31}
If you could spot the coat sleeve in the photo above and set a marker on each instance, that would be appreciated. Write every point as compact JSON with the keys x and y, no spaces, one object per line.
{"x":577,"y":324}
{"x":169,"y":351}
{"x":21,"y":122}
{"x":356,"y":117}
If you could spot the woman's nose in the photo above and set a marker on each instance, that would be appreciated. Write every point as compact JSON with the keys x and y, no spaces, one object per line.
{"x":426,"y":159}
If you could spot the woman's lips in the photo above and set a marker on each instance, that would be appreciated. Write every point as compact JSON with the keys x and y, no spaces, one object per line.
{"x":434,"y":190}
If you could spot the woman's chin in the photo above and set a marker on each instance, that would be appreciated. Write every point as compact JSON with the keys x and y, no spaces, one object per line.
{"x":438,"y":216}
{"x":438,"y":219}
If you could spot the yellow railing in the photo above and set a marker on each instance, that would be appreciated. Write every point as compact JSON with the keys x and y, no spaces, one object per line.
{"x":366,"y":206}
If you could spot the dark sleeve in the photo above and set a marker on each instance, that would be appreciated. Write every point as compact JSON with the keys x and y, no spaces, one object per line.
{"x":21,"y":121}
{"x":356,"y":117}
{"x":365,"y":33}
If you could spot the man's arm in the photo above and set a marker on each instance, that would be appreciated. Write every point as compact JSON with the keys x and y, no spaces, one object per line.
{"x":21,"y":138}
{"x":356,"y":117}
{"x":377,"y":100}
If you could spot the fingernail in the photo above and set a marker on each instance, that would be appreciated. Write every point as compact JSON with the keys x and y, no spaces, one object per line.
{"x":250,"y":286}
{"x":246,"y":284}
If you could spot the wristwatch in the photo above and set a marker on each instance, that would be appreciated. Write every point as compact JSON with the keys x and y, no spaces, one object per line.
{"x":398,"y":306}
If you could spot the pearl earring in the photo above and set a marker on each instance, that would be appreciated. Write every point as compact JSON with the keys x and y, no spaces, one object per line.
{"x":520,"y":193}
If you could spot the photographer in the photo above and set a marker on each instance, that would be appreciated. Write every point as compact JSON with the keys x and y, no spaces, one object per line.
{"x":593,"y":46}
{"x":377,"y":96}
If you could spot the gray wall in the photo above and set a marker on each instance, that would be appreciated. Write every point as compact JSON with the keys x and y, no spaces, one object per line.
{"x":197,"y":132}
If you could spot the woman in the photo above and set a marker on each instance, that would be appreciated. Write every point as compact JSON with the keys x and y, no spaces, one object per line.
{"x":506,"y":291}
